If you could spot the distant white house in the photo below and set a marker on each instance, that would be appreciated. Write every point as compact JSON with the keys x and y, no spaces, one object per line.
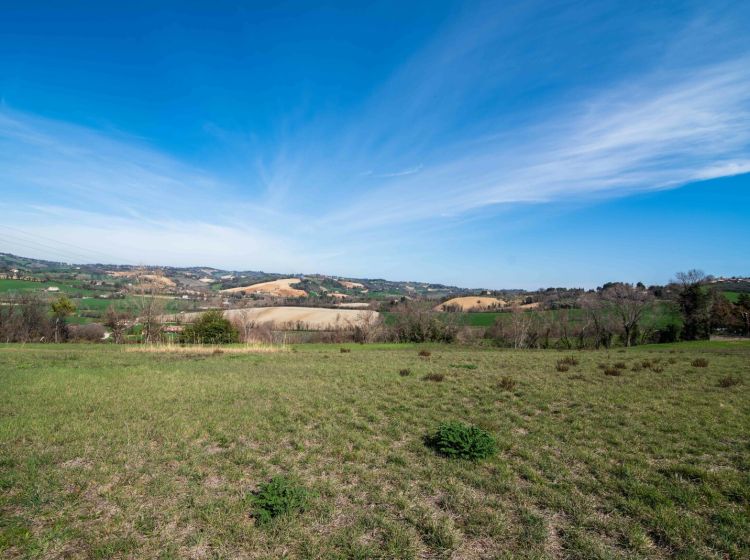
{"x":207,"y":280}
{"x":53,"y":289}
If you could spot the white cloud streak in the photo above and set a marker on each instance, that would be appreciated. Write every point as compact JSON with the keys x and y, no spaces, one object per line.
{"x":656,"y":134}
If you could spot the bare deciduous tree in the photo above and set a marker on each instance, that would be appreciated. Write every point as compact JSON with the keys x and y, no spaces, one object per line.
{"x":117,"y":322}
{"x":366,"y":326}
{"x":690,"y":278}
{"x":598,"y":319}
{"x":150,"y":310}
{"x":628,"y":304}
{"x":520,"y":324}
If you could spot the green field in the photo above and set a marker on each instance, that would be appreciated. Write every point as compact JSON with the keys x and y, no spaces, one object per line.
{"x":129,"y":303}
{"x":659,"y":316}
{"x":69,"y":288}
{"x":7,"y":285}
{"x":731,"y":296}
{"x":108,"y":453}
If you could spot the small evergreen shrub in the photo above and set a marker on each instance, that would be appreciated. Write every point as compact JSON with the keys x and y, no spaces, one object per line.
{"x":425,"y":353}
{"x":700,"y":362}
{"x":461,"y":441}
{"x":280,"y":496}
{"x":345,"y":350}
{"x":210,"y":328}
{"x":405,"y":372}
{"x":434,"y":377}
{"x":613,"y":371}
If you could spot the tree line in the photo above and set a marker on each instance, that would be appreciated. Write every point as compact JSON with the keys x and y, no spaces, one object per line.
{"x":617,"y":313}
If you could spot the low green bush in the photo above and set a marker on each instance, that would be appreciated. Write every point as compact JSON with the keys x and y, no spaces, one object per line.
{"x":210,"y":328}
{"x":280,"y":496}
{"x":461,"y":441}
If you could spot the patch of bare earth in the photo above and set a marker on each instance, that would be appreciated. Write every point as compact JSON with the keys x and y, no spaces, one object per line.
{"x":278,"y":288}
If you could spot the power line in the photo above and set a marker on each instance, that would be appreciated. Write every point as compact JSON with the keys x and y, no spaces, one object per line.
{"x":79,"y":250}
{"x":78,"y":253}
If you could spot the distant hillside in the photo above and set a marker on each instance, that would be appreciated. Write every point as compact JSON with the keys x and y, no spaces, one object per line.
{"x":200,"y":278}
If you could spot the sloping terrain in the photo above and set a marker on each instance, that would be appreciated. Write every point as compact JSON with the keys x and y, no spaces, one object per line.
{"x":314,"y":318}
{"x":278,"y":288}
{"x":470,"y":303}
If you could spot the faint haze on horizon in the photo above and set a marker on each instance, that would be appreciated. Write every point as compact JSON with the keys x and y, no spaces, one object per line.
{"x":475,"y":144}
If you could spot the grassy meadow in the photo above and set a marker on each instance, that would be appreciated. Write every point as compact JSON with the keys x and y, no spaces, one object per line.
{"x":110,"y":453}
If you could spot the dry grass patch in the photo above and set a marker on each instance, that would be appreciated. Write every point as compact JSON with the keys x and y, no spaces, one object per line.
{"x":507,"y":383}
{"x":729,"y":381}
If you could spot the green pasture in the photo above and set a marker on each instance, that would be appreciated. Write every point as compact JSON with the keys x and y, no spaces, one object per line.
{"x":106,"y":452}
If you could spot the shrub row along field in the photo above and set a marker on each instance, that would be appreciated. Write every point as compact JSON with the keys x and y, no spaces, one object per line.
{"x":311,"y":452}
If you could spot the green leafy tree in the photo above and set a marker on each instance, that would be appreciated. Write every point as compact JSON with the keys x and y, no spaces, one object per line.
{"x":210,"y":328}
{"x":61,"y":309}
{"x":694,"y":301}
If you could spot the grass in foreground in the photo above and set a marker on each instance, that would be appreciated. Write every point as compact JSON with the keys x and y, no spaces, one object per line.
{"x":192,"y":350}
{"x":106,"y":453}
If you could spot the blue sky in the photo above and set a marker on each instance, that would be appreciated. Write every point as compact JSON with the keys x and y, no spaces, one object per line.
{"x":497,"y":144}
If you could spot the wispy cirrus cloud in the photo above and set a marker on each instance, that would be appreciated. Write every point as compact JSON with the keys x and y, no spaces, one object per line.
{"x":663,"y":131}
